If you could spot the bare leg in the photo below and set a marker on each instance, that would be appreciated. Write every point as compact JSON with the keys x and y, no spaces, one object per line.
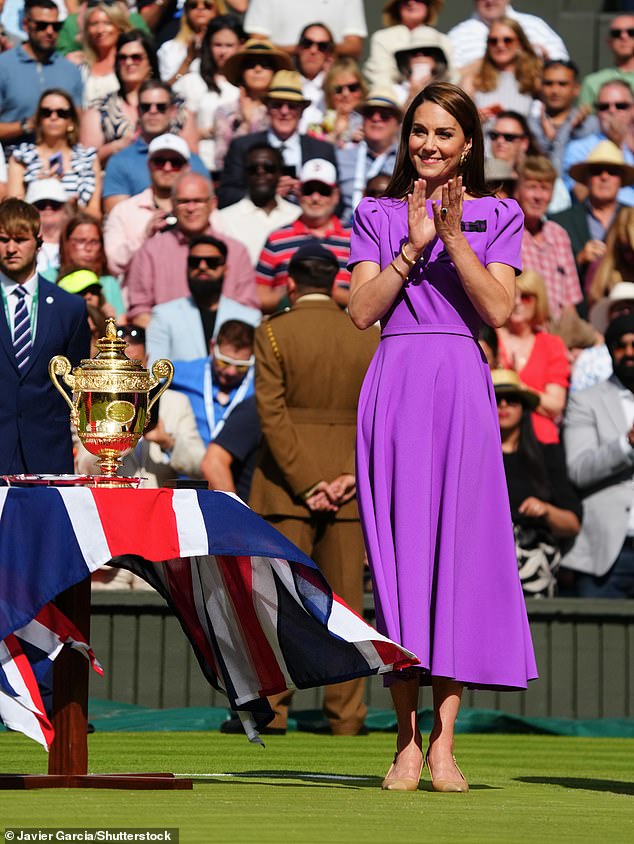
{"x":409,"y":741}
{"x":447,"y":694}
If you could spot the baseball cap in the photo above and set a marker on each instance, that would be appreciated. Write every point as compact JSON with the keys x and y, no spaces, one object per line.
{"x":319,"y":170}
{"x":79,"y":281}
{"x":169,"y":142}
{"x":312,"y":249}
{"x":41,"y":189}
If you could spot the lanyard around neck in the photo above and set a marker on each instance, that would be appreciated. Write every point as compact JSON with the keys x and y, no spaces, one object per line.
{"x":216,"y":427}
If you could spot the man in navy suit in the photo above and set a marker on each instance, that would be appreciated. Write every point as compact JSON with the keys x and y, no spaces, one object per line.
{"x":39,"y":321}
{"x":285,"y":103}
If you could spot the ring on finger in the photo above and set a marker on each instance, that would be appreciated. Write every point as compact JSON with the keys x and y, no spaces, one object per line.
{"x":443,"y":212}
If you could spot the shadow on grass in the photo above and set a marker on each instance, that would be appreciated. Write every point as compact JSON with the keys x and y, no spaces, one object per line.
{"x":586,"y":784}
{"x":328,"y":780}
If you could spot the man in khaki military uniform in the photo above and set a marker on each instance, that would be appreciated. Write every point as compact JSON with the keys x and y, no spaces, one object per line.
{"x":310,"y":364}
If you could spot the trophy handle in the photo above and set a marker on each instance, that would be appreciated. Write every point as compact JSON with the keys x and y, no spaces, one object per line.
{"x":59,"y":365}
{"x":161,"y":368}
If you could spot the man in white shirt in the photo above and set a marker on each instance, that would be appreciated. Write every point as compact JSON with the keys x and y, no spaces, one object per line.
{"x":252,"y":219}
{"x":468,"y":38}
{"x":282,"y":21}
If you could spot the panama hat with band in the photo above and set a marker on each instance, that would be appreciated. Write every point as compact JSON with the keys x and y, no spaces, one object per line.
{"x":507,"y":384}
{"x":605,"y":154}
{"x":425,"y":41}
{"x":286,"y":86}
{"x":381,"y":98}
{"x":391,"y":16}
{"x":600,"y":313}
{"x":233,"y":68}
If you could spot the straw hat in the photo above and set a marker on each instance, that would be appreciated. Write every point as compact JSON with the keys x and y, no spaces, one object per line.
{"x":234,"y":65}
{"x":391,"y":16}
{"x":286,"y":85}
{"x":600,"y":313}
{"x":381,"y":98}
{"x":428,"y":41}
{"x":605,"y":153}
{"x":506,"y":382}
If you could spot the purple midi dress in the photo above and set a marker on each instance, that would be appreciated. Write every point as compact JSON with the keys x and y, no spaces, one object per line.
{"x":430,"y":477}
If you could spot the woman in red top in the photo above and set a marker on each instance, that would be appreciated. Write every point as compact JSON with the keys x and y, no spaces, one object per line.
{"x":539,"y":358}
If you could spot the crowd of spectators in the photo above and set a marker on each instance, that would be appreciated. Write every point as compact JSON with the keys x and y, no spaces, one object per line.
{"x":179,"y":153}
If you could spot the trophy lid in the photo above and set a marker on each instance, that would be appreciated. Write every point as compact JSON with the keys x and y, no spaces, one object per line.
{"x":111,"y":354}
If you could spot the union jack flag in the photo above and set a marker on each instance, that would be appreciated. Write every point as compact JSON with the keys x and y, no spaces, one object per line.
{"x":260,"y":616}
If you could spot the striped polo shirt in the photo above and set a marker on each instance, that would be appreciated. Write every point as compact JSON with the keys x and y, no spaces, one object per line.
{"x":272,"y":267}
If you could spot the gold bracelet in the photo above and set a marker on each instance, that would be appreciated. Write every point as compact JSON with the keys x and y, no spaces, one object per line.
{"x":400,"y":272}
{"x":406,"y":257}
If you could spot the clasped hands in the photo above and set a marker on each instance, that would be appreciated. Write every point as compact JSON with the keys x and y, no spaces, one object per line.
{"x":329,"y":497}
{"x":447,"y":214}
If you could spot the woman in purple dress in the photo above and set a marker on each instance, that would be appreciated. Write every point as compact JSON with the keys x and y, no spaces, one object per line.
{"x":432,"y":260}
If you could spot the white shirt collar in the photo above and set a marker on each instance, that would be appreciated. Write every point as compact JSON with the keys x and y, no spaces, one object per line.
{"x":9,"y":285}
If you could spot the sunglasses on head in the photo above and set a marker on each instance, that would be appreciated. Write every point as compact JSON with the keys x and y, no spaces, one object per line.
{"x":262,"y":167}
{"x":192,"y":5}
{"x":64,"y":113}
{"x":621,"y":106}
{"x":161,"y":161}
{"x":351,"y":88}
{"x":309,"y":188}
{"x":322,"y":46}
{"x":224,"y":361}
{"x":144,"y":108}
{"x":133,"y":58}
{"x":506,"y":40}
{"x":50,"y":204}
{"x":42,"y":26}
{"x":617,"y":33}
{"x":509,"y":137}
{"x":212,"y":261}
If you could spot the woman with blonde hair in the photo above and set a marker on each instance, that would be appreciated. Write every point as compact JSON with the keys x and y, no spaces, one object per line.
{"x":101,"y":26}
{"x":539,"y":358}
{"x":508,"y":76}
{"x":344,"y":90}
{"x":618,"y":262}
{"x":403,"y":21}
{"x":177,"y":56}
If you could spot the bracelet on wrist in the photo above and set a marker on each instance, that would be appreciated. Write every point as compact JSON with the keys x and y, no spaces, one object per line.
{"x":399,"y":271}
{"x":410,"y":263}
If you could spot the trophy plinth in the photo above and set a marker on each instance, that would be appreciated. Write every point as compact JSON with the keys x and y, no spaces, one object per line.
{"x":111,"y":403}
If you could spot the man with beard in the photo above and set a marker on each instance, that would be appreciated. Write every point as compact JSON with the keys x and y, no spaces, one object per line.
{"x":252,"y":219}
{"x":599,"y":441}
{"x":183,"y":328}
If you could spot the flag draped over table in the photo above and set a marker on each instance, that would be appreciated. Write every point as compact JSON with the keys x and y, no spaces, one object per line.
{"x":258,"y":613}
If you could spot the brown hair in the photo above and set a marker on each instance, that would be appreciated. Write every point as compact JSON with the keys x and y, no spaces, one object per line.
{"x":461,"y":107}
{"x":79,"y":219}
{"x":528,"y":65}
{"x":346,"y":64}
{"x":73,"y":136}
{"x":19,"y":217}
{"x":391,"y":16}
{"x":531,"y":282}
{"x":537,"y":167}
{"x":236,"y":333}
{"x":615,"y":265}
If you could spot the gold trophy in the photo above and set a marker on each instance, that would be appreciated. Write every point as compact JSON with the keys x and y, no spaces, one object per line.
{"x":110,"y":404}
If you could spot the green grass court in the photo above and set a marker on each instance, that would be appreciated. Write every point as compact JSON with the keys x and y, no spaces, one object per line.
{"x":310,"y":788}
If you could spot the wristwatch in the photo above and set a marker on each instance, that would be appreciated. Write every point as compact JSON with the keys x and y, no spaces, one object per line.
{"x":24,"y":126}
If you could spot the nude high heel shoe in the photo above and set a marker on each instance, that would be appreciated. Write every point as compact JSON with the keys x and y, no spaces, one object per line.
{"x":393,"y":783}
{"x":445,"y":786}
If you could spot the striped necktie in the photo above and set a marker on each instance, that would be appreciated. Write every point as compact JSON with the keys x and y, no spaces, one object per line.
{"x":21,"y":329}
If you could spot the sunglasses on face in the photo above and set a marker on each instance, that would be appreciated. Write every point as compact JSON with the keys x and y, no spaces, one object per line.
{"x":309,"y":188}
{"x":212,"y":262}
{"x":599,"y":170}
{"x":322,"y":46}
{"x":351,"y":87}
{"x":133,"y":58}
{"x":131,"y":333}
{"x":505,"y":40}
{"x":42,"y":26}
{"x":607,"y":106}
{"x":617,"y":33}
{"x":277,"y":105}
{"x":526,"y":297}
{"x":262,"y":167}
{"x":509,"y":137}
{"x":48,"y":204}
{"x":382,"y":113}
{"x":224,"y":361}
{"x":161,"y":162}
{"x":64,"y":113}
{"x":144,"y":108}
{"x":257,"y":61}
{"x":512,"y":401}
{"x":192,"y":5}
